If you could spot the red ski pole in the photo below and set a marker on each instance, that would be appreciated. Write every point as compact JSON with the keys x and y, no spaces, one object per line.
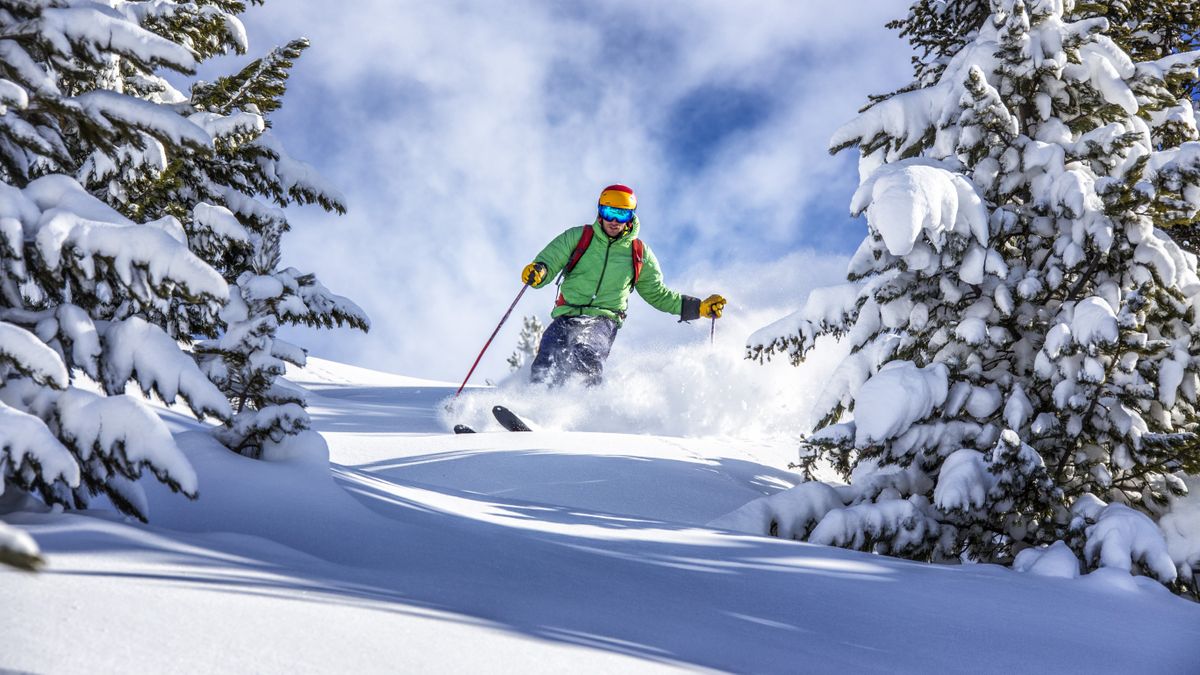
{"x":489,"y":342}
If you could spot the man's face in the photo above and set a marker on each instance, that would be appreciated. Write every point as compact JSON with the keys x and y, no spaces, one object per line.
{"x":611,"y":227}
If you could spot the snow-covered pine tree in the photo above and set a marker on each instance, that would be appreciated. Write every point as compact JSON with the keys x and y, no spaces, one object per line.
{"x":224,"y":197}
{"x":1024,"y":336}
{"x":1147,"y":30}
{"x":77,"y":278}
{"x":231,"y":209}
{"x":227,"y":201}
{"x":527,"y":343}
{"x":142,"y":181}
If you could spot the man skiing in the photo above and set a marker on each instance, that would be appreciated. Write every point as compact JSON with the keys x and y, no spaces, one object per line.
{"x":601,"y":263}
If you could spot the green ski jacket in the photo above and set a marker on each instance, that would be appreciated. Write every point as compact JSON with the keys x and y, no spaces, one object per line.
{"x":601,"y":282}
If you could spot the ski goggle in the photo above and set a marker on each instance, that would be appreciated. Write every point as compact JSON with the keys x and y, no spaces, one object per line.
{"x":617,"y":214}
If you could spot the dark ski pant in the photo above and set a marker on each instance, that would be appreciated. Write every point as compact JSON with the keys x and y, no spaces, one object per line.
{"x":574,"y":346}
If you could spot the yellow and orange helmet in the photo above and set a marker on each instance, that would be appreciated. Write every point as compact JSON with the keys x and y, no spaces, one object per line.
{"x":618,"y":196}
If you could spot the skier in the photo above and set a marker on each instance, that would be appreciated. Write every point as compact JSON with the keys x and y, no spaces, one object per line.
{"x":600,"y":263}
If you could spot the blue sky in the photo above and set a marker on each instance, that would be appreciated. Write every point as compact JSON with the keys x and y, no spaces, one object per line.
{"x":465,"y":134}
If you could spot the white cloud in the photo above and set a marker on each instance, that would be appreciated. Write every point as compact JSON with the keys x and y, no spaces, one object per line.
{"x":467,"y":134}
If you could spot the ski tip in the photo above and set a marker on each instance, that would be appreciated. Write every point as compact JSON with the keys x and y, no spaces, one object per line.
{"x":508,"y":419}
{"x":463,"y":429}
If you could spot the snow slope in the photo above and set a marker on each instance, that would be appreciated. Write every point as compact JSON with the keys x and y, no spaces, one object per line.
{"x":573,"y":547}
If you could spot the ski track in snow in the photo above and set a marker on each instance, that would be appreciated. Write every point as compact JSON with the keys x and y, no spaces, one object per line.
{"x":528,"y":552}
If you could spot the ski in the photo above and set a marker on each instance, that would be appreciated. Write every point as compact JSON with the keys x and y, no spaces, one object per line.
{"x":508,"y":419}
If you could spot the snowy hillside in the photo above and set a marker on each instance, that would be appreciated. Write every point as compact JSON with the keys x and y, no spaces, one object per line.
{"x":578,"y":547}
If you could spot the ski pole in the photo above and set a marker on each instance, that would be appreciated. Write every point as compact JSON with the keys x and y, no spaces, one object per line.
{"x":489,"y":342}
{"x":712,"y":332}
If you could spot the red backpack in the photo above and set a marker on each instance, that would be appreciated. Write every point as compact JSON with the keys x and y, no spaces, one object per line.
{"x":584,"y":241}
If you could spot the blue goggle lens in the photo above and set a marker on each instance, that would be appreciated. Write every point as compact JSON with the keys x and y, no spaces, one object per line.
{"x":617,"y":214}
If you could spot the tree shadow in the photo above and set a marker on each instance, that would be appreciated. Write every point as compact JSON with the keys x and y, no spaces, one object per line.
{"x":692,"y":492}
{"x":378,"y":410}
{"x":674,"y":593}
{"x":667,"y":592}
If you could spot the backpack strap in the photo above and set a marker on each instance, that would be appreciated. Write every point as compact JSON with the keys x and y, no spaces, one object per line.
{"x":585,"y":239}
{"x":639,"y":255}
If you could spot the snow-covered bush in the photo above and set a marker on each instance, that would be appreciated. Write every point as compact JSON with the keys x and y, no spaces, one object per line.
{"x":1022,"y":326}
{"x":248,"y":358}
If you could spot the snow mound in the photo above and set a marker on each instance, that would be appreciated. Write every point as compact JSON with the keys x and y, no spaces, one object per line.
{"x":1055,"y":560}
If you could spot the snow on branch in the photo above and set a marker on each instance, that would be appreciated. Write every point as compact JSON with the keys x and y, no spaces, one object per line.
{"x":251,"y":429}
{"x":296,"y":179}
{"x":87,"y":30}
{"x":895,"y":527}
{"x":23,"y":351}
{"x":896,"y":397}
{"x":220,"y":221}
{"x":105,"y":107}
{"x":1055,"y":560}
{"x":963,"y":482}
{"x":67,"y":331}
{"x":251,"y":209}
{"x":825,"y":312}
{"x":29,"y":450}
{"x":29,"y":74}
{"x":1181,"y":529}
{"x":125,"y":436}
{"x":73,"y":223}
{"x":1122,"y":538}
{"x":225,"y":126}
{"x":307,"y":301}
{"x":1175,"y":176}
{"x":161,"y":11}
{"x":790,"y":514}
{"x":12,"y":94}
{"x":135,"y":349}
{"x":1181,"y":65}
{"x":908,"y":199}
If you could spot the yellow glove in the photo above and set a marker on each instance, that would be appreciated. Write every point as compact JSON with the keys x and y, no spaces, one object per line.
{"x":712,"y":306}
{"x":533,"y":273}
